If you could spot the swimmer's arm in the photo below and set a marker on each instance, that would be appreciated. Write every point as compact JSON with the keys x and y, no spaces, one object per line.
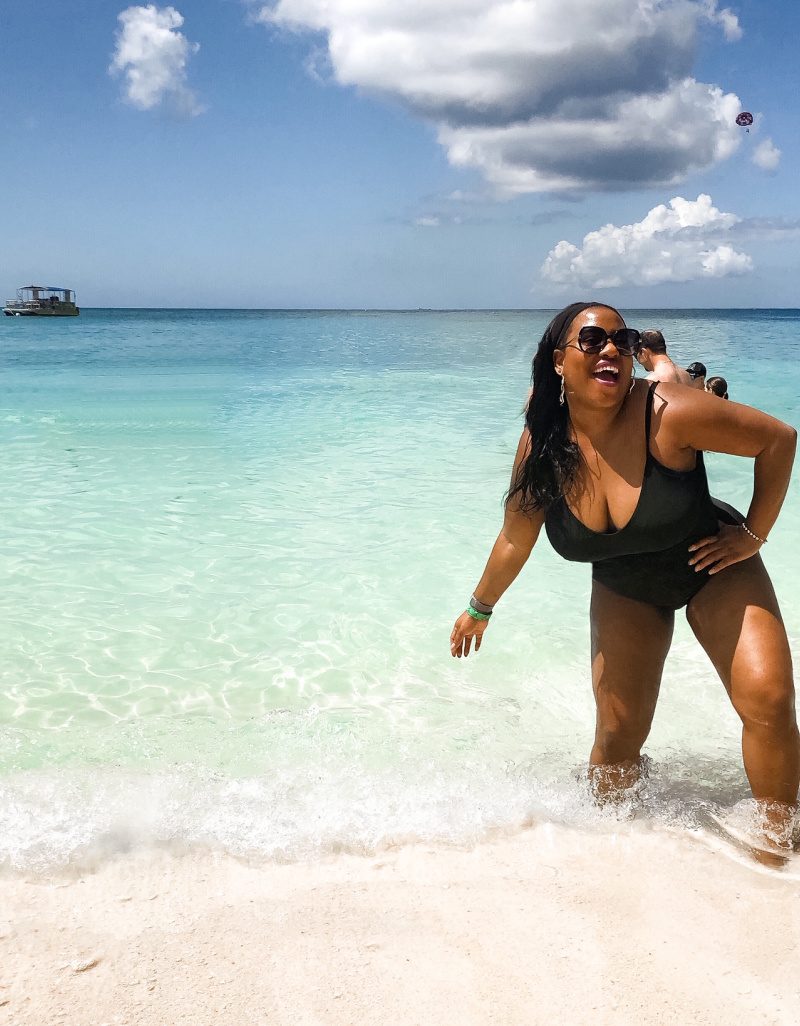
{"x":514,"y":543}
{"x":700,"y":420}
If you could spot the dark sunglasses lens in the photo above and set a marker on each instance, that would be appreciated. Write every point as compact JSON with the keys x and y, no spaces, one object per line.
{"x":591,"y":339}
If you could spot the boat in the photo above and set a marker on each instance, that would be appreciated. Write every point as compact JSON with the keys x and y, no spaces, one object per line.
{"x":42,"y":301}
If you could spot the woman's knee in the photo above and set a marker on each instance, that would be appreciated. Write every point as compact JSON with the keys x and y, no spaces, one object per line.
{"x":767,"y":702}
{"x":620,"y":738}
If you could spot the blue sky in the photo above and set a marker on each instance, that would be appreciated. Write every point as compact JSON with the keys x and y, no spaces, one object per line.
{"x":295,"y":153}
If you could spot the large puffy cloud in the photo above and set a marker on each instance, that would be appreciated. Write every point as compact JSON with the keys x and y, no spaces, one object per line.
{"x":153,"y":55}
{"x":644,"y":141}
{"x":680,"y":241}
{"x":539,"y":94}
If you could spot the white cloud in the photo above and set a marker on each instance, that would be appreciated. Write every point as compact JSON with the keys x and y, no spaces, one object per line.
{"x":644,"y":140}
{"x":680,"y":241}
{"x":766,"y":155}
{"x":153,"y":55}
{"x":726,"y":19}
{"x":538,"y":94}
{"x":427,"y":222}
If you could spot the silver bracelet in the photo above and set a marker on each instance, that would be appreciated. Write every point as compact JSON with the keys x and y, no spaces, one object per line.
{"x":752,"y":534}
{"x":481,"y":607}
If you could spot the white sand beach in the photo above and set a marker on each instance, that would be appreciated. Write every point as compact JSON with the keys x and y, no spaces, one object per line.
{"x":551,"y":925}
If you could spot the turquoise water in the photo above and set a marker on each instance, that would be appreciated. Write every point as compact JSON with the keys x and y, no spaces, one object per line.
{"x":233,"y":544}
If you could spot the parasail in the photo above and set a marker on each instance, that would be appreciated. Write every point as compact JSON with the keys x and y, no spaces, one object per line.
{"x":744,"y":120}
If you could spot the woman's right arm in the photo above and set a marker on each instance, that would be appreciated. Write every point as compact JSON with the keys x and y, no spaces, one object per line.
{"x":508,"y":556}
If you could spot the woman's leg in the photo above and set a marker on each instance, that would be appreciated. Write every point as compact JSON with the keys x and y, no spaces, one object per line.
{"x":737,"y":621}
{"x":630,"y":641}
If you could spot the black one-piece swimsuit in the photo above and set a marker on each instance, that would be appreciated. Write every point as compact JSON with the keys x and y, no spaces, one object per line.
{"x":648,"y":559}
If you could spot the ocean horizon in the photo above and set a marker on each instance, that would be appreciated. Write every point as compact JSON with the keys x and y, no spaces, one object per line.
{"x":435,"y":309}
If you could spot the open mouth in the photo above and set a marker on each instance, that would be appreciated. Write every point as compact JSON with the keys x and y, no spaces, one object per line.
{"x":607,"y":373}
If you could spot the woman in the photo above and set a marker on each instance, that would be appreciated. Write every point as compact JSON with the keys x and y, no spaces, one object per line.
{"x":718,"y":386}
{"x":613,"y":469}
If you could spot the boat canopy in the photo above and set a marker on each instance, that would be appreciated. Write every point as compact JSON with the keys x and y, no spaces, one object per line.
{"x":30,"y":296}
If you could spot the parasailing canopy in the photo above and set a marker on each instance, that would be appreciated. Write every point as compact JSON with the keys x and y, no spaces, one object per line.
{"x":744,"y":120}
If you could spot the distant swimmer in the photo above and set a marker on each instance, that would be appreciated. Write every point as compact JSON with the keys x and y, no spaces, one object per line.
{"x":652,"y":355}
{"x":612,"y":469}
{"x":697,"y":372}
{"x":717,"y":385}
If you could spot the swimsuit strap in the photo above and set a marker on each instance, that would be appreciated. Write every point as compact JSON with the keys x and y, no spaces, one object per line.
{"x":648,"y":414}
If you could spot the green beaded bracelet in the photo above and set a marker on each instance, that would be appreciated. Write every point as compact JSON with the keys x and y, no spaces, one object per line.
{"x":473,"y":612}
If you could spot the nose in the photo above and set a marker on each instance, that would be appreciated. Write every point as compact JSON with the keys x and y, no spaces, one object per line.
{"x":609,"y":345}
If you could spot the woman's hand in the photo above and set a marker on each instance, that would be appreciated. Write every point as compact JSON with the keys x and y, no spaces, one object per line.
{"x":730,"y":546}
{"x":466,"y":629}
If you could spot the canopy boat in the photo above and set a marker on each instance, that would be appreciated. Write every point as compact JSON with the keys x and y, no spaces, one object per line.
{"x":42,"y":301}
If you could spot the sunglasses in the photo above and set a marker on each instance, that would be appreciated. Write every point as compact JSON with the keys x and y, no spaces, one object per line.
{"x":592,"y":339}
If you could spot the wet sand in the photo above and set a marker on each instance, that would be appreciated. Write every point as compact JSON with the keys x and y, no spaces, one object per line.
{"x":549,"y":926}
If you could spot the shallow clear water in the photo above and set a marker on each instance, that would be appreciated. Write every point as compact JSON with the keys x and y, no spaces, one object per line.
{"x":232,"y":548}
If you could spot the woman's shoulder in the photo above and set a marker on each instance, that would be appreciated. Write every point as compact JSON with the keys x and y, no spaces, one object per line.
{"x":680,"y":416}
{"x":674,"y":396}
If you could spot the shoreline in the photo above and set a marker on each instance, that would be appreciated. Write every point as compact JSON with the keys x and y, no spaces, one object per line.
{"x":552,"y":924}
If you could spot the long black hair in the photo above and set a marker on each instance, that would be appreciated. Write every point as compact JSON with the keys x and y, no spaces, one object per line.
{"x":550,"y":467}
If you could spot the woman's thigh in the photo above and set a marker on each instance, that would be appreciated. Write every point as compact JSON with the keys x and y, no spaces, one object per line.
{"x":736,"y":619}
{"x":630,"y":641}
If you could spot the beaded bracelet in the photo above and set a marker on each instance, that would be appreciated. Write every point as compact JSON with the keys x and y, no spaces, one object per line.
{"x":752,"y":534}
{"x":473,"y":612}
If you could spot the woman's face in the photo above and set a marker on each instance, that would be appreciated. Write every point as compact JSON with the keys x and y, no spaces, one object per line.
{"x":602,"y":379}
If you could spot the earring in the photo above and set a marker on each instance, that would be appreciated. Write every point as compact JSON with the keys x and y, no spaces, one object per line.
{"x":633,"y":379}
{"x":562,"y":396}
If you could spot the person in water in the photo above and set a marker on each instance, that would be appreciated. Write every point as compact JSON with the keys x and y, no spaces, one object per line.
{"x":717,"y":386}
{"x":652,"y":355}
{"x":697,"y":372}
{"x":612,"y":468}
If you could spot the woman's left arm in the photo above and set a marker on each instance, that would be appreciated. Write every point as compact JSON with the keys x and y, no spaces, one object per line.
{"x":702,"y":421}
